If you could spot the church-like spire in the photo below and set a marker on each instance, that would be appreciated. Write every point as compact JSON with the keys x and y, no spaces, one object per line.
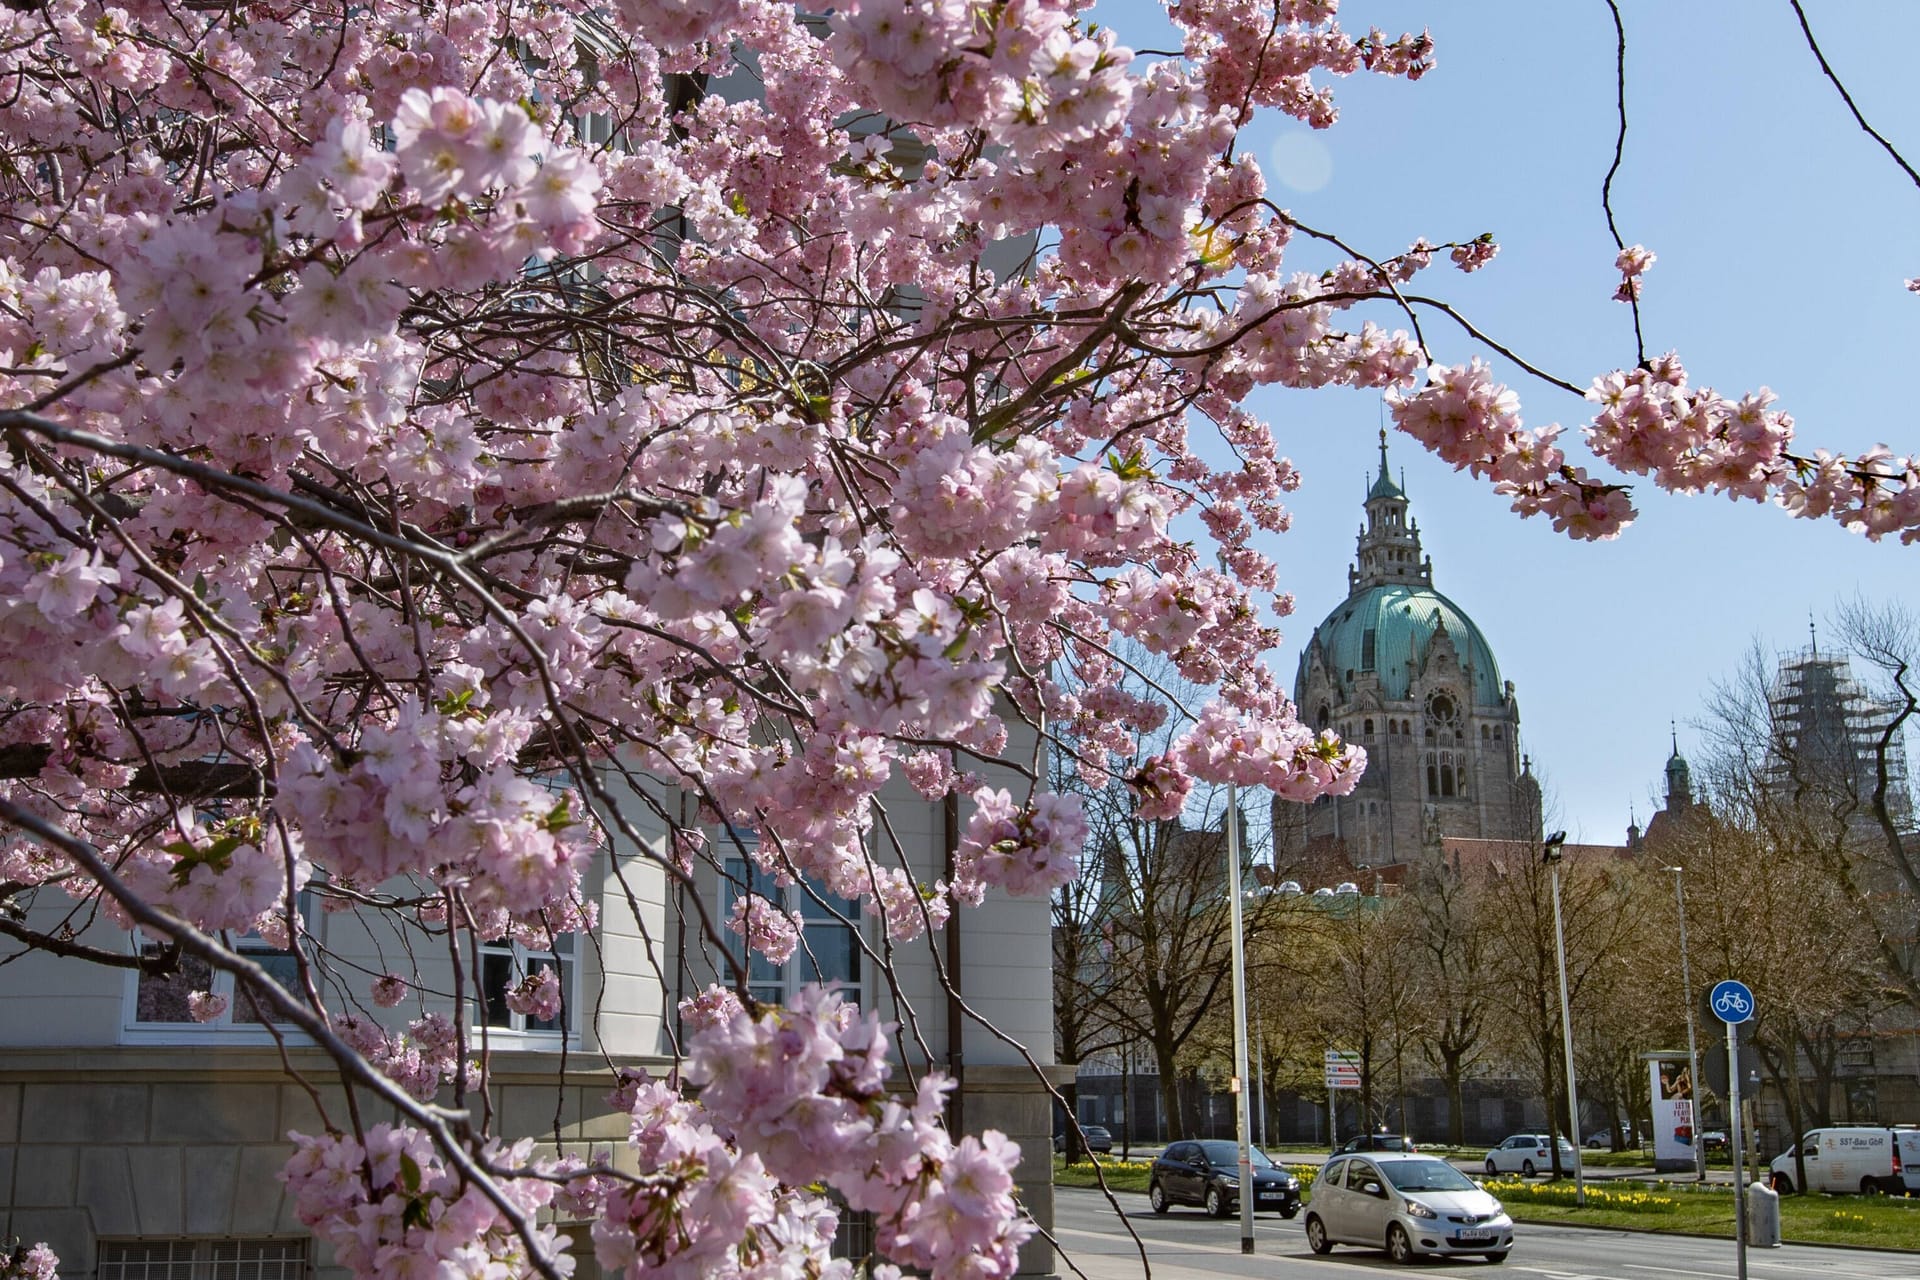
{"x":1679,"y":776}
{"x":1389,"y":548}
{"x":1383,"y":486}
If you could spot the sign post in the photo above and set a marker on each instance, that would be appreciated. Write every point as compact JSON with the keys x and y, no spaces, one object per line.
{"x":1343,"y":1072}
{"x":1732,"y":1002}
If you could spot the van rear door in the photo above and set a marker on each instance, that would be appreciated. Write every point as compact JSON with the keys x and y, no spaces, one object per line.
{"x":1907,"y":1143}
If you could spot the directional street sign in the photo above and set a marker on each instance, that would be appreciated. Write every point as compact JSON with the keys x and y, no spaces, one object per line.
{"x":1731,"y":1002}
{"x":1343,"y":1069}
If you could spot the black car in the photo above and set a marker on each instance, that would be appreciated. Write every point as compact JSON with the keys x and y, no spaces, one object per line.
{"x":1208,"y":1174}
{"x":1377,"y":1142}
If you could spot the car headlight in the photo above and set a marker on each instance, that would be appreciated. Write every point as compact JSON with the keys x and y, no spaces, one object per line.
{"x":1498,"y":1208}
{"x":1231,"y":1184}
{"x":1417,"y":1210}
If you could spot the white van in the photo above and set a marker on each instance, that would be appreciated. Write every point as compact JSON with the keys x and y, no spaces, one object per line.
{"x":1866,"y":1159}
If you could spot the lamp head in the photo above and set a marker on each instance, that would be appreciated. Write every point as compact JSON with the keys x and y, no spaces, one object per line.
{"x":1551,"y":847}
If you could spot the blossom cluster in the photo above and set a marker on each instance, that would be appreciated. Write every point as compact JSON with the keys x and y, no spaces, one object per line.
{"x":1633,"y":263}
{"x":20,"y":1261}
{"x":389,"y":1205}
{"x":789,"y":1098}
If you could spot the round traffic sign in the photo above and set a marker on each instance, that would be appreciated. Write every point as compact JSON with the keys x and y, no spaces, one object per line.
{"x":1731,"y":1002}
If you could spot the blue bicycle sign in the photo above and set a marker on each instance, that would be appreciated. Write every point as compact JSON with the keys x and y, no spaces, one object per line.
{"x":1732,"y":1002}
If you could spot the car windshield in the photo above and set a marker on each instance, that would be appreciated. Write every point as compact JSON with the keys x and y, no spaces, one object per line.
{"x":1229,"y":1153}
{"x":1425,"y":1175}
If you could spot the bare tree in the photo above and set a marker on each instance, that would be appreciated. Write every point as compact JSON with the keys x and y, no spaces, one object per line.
{"x":1454,"y":958}
{"x":1598,"y":911}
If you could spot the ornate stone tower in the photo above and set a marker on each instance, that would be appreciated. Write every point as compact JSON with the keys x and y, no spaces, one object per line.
{"x":1401,"y":670}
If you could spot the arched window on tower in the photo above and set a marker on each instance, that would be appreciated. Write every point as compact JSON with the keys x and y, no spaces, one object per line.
{"x":1486,"y":733}
{"x":1366,"y":727}
{"x":1446,"y":773}
{"x":1433,"y":776}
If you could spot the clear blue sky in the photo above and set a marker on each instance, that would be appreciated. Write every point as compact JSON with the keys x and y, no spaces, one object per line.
{"x":1784,"y":236}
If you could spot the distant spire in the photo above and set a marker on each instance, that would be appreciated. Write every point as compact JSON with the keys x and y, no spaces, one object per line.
{"x":1673,"y":726}
{"x":1813,"y":633}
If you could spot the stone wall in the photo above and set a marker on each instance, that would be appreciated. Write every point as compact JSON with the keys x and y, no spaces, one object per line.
{"x":179,"y":1142}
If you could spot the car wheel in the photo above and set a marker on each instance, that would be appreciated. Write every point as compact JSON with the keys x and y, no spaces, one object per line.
{"x":1498,"y":1257}
{"x":1526,"y":1168}
{"x":1216,"y":1203}
{"x":1870,"y":1187}
{"x":1399,"y":1247}
{"x":1782,"y":1184}
{"x":1157,"y":1198}
{"x":1317,"y":1235}
{"x":1492,"y":1168}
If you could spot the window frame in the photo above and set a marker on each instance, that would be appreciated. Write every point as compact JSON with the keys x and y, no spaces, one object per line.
{"x":202,"y":1261}
{"x":515,"y":1034}
{"x":224,"y":1029}
{"x":739,"y":872}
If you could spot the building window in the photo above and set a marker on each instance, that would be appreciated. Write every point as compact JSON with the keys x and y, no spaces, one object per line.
{"x":1366,"y":727}
{"x":505,"y":965}
{"x":1446,"y":773}
{"x":162,"y":1000}
{"x":829,"y":954}
{"x":1367,"y":638}
{"x":1433,"y":775}
{"x":1486,"y":733}
{"x":203,"y":1260}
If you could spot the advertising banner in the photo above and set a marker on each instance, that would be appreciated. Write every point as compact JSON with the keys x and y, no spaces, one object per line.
{"x":1671,"y":1087}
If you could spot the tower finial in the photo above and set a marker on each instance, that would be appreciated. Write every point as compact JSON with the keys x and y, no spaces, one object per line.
{"x":1813,"y":634}
{"x":1673,"y":726}
{"x":1383,"y":451}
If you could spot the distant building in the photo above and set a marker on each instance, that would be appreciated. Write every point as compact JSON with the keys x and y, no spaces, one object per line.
{"x":1403,"y":671}
{"x":1825,"y":744}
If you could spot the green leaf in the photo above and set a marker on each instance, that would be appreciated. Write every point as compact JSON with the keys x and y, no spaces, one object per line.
{"x":217,"y":855}
{"x":409,"y":1174}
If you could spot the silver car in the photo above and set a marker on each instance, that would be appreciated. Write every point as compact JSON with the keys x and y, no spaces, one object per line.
{"x":1406,"y":1204}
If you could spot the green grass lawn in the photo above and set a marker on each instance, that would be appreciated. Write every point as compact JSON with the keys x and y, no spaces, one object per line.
{"x":1661,"y":1206}
{"x":1639,"y":1206}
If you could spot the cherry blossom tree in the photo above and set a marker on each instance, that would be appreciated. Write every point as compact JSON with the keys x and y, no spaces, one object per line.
{"x":424,"y":421}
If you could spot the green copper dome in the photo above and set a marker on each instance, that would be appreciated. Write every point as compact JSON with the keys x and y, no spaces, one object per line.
{"x":1385,"y":629}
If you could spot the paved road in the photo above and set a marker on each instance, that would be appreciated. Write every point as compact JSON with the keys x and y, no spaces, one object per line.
{"x":1186,"y":1245}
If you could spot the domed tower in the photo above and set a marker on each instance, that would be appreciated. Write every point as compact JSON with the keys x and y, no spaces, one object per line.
{"x":1404,"y":672}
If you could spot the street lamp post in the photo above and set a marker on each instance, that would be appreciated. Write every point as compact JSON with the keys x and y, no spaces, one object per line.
{"x":1693,"y":1050}
{"x":1551,"y":852}
{"x":1242,"y":1111}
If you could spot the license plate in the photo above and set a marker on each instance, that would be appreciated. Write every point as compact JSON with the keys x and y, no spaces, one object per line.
{"x":1473,"y":1234}
{"x":1271,"y":1199}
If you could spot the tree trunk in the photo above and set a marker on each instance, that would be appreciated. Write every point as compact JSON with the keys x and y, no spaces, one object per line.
{"x":1070,"y":1098}
{"x":1456,"y":1101}
{"x":1170,"y":1094}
